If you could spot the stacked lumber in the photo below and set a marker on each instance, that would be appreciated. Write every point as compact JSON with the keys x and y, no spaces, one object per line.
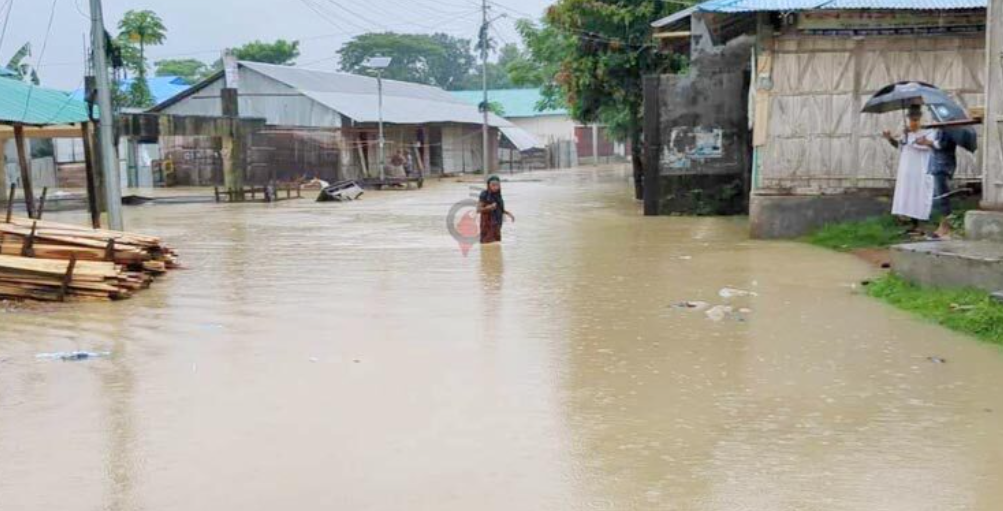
{"x":54,"y":280}
{"x":52,"y":240}
{"x":49,"y":261}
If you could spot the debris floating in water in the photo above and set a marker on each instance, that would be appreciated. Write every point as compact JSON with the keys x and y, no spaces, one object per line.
{"x":730,"y":292}
{"x":937,"y":360}
{"x":72,"y":356}
{"x":694,"y":305}
{"x":719,"y":312}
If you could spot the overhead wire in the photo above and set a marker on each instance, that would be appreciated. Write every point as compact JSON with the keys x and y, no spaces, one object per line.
{"x":10,"y":10}
{"x":41,"y":55}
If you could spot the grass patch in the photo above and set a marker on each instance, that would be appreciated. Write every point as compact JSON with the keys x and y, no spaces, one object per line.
{"x":874,"y":232}
{"x":969,"y":311}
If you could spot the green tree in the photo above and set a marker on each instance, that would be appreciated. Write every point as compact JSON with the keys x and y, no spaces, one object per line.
{"x":190,"y":70}
{"x":546,"y":49}
{"x":436,"y":59}
{"x":498,"y":73}
{"x":281,"y":52}
{"x":141,"y":28}
{"x":139,"y":95}
{"x":137,"y":30}
{"x":601,"y":50}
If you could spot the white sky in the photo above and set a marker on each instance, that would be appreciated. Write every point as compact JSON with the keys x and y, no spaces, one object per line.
{"x":202,"y":28}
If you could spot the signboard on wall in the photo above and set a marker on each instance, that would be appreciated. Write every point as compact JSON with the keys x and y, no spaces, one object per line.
{"x":691,"y":144}
{"x":853,"y":23}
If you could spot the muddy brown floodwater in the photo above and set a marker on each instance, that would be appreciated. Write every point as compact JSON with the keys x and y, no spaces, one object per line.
{"x":348,"y":356}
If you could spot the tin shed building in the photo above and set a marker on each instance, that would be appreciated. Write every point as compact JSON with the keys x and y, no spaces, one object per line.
{"x":809,"y":67}
{"x":325,"y":124}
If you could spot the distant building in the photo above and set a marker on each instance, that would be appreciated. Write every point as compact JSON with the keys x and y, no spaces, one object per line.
{"x":553,"y":127}
{"x":162,"y":88}
{"x":325,"y":123}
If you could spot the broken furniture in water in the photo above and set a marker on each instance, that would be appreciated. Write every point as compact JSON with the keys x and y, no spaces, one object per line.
{"x":341,"y":191}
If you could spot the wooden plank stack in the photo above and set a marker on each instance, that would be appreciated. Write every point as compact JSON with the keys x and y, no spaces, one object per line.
{"x":50,"y":261}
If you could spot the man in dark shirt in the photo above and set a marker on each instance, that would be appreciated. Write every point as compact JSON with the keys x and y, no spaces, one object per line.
{"x":943,"y":163}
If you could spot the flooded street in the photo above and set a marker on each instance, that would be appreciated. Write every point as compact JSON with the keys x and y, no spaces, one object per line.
{"x":349,"y":356}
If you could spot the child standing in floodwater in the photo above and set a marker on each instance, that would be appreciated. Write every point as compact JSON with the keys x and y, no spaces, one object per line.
{"x":491,"y":206}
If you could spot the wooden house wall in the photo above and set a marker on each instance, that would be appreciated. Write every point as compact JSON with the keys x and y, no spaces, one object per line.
{"x":816,"y":139}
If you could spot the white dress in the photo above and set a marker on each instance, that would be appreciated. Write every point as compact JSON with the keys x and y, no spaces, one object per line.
{"x":913,"y":184}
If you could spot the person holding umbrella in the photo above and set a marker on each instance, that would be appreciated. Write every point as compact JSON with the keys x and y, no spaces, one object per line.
{"x":929,"y":157}
{"x":913,"y":184}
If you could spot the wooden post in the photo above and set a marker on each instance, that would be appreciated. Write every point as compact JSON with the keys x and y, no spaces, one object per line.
{"x":992,"y":152}
{"x":3,"y":164}
{"x":41,"y":203}
{"x":10,"y":203}
{"x":68,"y":277}
{"x":25,"y":163}
{"x":233,"y":145}
{"x":28,"y":248}
{"x":92,"y":191}
{"x":652,"y":145}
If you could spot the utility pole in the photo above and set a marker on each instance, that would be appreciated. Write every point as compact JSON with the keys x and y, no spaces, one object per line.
{"x":106,"y":128}
{"x":484,"y":84}
{"x":383,"y":154}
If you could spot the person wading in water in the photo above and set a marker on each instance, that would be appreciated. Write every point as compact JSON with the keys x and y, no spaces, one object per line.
{"x":491,"y":207}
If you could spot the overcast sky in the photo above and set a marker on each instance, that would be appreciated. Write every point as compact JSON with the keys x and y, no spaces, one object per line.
{"x":202,"y":28}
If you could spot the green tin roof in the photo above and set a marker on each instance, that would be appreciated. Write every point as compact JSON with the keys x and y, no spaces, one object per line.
{"x":514,"y":102}
{"x":38,"y":106}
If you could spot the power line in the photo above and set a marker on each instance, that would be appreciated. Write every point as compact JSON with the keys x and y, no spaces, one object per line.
{"x":10,"y":10}
{"x":319,"y":10}
{"x":357,"y":15}
{"x":41,"y":55}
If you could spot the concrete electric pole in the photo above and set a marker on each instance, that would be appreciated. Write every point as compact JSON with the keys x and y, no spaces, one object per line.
{"x":106,"y":126}
{"x":992,"y":152}
{"x":484,"y":83}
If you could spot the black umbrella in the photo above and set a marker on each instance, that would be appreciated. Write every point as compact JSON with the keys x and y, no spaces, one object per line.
{"x":903,"y":95}
{"x":964,"y":136}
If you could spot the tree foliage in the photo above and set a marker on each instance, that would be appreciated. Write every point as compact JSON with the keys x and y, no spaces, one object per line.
{"x":140,"y":29}
{"x":281,"y":52}
{"x":190,"y":70}
{"x":139,"y":95}
{"x":437,"y":59}
{"x":598,"y":52}
{"x":500,"y":73}
{"x":137,"y":30}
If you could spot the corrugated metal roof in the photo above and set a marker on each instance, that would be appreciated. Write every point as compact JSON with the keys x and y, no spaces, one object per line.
{"x":38,"y":106}
{"x":674,"y":17}
{"x":514,"y":102}
{"x":356,"y":97}
{"x":520,"y":138}
{"x":735,"y":6}
{"x":162,"y":88}
{"x":740,"y":6}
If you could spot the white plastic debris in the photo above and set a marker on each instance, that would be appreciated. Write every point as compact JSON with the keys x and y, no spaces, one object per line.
{"x":73,"y":356}
{"x":718,"y":312}
{"x":730,"y":292}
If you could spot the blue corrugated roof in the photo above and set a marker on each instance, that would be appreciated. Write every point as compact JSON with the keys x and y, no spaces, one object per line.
{"x":734,"y":6}
{"x":514,"y":102}
{"x":30,"y":104}
{"x":162,"y":88}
